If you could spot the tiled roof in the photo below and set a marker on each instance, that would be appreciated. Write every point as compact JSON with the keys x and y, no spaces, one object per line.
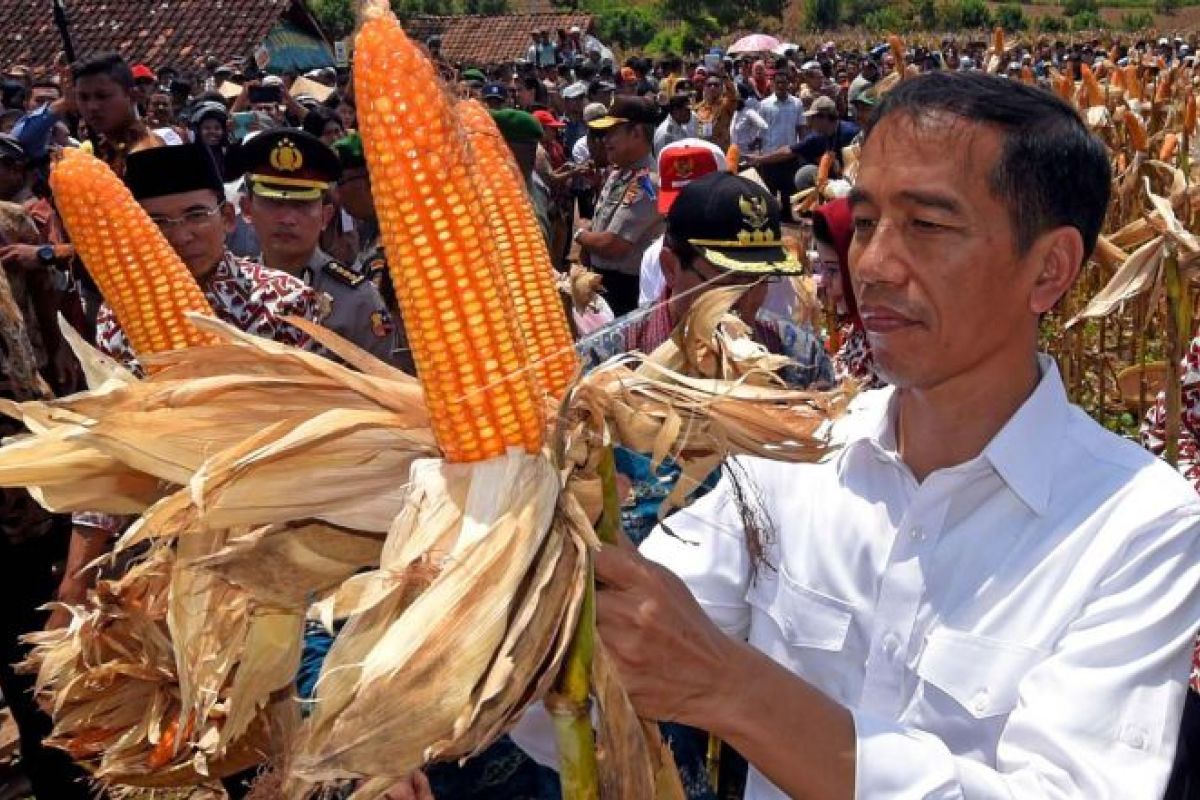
{"x":178,"y":33}
{"x":484,"y":41}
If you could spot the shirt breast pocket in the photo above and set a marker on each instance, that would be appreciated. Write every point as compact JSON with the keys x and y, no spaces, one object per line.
{"x":981,"y":675}
{"x":802,"y":616}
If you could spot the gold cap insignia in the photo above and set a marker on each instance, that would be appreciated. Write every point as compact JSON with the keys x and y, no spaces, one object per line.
{"x":756,"y":217}
{"x":286,"y":157}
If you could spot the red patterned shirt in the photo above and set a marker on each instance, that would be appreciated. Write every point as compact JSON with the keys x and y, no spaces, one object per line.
{"x":247,"y":295}
{"x":855,"y":360}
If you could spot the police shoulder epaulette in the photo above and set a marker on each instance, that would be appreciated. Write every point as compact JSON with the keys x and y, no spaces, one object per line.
{"x":344,"y":274}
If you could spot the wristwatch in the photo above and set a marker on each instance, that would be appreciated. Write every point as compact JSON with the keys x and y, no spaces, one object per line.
{"x":45,"y":255}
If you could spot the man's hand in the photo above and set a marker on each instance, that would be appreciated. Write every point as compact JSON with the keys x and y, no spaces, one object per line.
{"x":670,"y":656}
{"x":414,"y":787}
{"x":753,"y":159}
{"x":20,"y":256}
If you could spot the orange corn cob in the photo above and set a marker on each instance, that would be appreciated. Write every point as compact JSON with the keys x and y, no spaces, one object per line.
{"x":824,"y":167}
{"x":1169,"y":144}
{"x":1163,"y":91}
{"x":141,"y":277}
{"x":1065,"y":88}
{"x":1118,"y":79}
{"x":1027,"y":76}
{"x":998,"y":41}
{"x":1094,"y":94}
{"x":897,"y":45}
{"x":457,"y":311}
{"x":1137,"y":133}
{"x":1189,"y":115}
{"x":733,"y":156}
{"x":524,"y":257}
{"x":1133,"y":83}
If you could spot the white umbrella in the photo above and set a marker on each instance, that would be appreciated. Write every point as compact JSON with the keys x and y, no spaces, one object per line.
{"x":754,"y":43}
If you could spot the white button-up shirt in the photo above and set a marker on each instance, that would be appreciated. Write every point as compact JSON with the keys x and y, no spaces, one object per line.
{"x":1018,"y":626}
{"x":783,"y":117}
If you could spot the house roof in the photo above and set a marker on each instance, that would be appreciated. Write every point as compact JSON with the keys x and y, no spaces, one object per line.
{"x":177,"y":33}
{"x":485,"y":41}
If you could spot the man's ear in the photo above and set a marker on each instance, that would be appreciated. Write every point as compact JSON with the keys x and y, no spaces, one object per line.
{"x":244,"y":204}
{"x":1058,"y":257}
{"x":327,"y":211}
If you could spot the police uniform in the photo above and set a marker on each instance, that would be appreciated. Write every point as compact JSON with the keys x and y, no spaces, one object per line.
{"x":288,"y":164}
{"x":352,"y":307}
{"x":627,"y":207}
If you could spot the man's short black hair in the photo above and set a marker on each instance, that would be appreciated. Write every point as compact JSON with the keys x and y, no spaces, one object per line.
{"x":110,"y":65}
{"x":1052,"y":171}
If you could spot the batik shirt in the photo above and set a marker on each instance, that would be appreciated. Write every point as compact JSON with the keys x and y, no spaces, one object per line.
{"x":855,"y":360}
{"x":248,"y":296}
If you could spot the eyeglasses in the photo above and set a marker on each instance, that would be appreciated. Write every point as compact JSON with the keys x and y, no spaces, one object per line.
{"x":192,"y":219}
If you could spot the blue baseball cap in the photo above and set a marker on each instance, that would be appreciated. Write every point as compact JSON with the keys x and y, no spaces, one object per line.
{"x":495,"y":91}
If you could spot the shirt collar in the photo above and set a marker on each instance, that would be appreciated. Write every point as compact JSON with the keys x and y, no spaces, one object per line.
{"x":1024,"y":453}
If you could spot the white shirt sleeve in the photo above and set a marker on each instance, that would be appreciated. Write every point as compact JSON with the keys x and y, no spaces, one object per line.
{"x":651,"y":282}
{"x":1059,"y":740}
{"x":705,"y":546}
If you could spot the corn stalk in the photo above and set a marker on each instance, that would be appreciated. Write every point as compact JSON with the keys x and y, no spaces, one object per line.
{"x":1179,"y":323}
{"x":570,"y":703}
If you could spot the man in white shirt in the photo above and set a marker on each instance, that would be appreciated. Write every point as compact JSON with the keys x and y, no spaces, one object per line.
{"x":679,"y":124}
{"x":983,"y":594}
{"x":784,"y":115}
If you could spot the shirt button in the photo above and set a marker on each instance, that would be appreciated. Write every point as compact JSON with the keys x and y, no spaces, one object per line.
{"x":980,"y":702}
{"x":918,"y":533}
{"x":891,"y":645}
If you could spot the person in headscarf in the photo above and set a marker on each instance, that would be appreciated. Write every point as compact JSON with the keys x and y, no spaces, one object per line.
{"x":210,"y":127}
{"x":760,"y":79}
{"x":833,"y":228}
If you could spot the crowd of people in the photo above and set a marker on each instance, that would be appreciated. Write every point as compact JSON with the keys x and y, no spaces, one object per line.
{"x":260,"y":183}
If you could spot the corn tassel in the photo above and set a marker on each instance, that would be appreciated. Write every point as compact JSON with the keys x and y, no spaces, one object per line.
{"x":141,"y":277}
{"x":459,"y":316}
{"x":524,"y":258}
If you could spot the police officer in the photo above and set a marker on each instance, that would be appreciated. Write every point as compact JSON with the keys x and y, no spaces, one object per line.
{"x":626,"y":221}
{"x":289,"y":177}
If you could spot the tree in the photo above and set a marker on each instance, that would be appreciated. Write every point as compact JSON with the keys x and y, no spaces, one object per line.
{"x":821,"y":15}
{"x":486,"y":8}
{"x":1086,"y":21}
{"x":1049,"y":23}
{"x":1010,"y":17}
{"x":884,"y":20}
{"x":627,"y":26}
{"x":1137,"y":21}
{"x":1073,"y":7}
{"x":1165,"y":7}
{"x":336,"y":17}
{"x":855,"y":12}
{"x":924,"y":14}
